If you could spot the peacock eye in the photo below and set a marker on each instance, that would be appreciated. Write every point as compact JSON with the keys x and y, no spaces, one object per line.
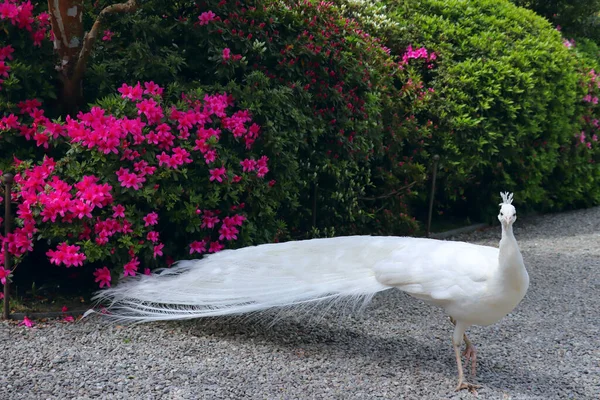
{"x":501,"y":213}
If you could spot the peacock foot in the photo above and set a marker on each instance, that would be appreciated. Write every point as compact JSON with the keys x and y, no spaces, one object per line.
{"x":470,"y":353}
{"x":471,"y":387}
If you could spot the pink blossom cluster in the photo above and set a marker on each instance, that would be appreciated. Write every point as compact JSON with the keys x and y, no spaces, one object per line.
{"x":68,"y":255}
{"x":131,"y":267}
{"x":4,"y":274}
{"x":102,"y":277}
{"x":20,"y":14}
{"x":593,"y":84}
{"x":56,"y":198}
{"x":569,"y":43}
{"x":588,"y":137}
{"x":260,"y":166}
{"x":179,"y":157}
{"x":590,"y":99}
{"x":199,"y":246}
{"x":227,"y":55}
{"x":108,"y":35}
{"x":154,"y":140}
{"x":227,"y":231}
{"x":420,"y":53}
{"x":206,"y":17}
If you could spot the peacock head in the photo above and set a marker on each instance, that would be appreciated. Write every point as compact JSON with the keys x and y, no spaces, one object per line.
{"x":508,"y":213}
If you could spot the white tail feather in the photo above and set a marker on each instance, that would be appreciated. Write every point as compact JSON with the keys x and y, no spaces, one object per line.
{"x":292,"y":274}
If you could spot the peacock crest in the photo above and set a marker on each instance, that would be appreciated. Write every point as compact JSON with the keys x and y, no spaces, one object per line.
{"x":507,"y":198}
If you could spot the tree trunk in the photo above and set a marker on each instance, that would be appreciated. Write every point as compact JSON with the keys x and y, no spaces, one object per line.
{"x":73,"y":47}
{"x":67,"y":25}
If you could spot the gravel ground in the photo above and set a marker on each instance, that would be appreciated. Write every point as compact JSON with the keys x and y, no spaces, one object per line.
{"x":397,"y":348}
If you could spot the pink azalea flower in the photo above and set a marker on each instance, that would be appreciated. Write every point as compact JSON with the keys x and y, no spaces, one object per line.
{"x":158,"y":250}
{"x":198,"y":247}
{"x":6,"y":52}
{"x":152,"y":88}
{"x":217,"y":174}
{"x":262,"y":171}
{"x":151,"y":219}
{"x":131,"y":92}
{"x":228,"y":232}
{"x":107,"y":36}
{"x":102,"y":276}
{"x":118,"y":211}
{"x":209,"y":221}
{"x":180,"y":156}
{"x":226,"y":56}
{"x":215,"y":247}
{"x":163,"y":158}
{"x":216,"y":104}
{"x":147,"y":271}
{"x":153,"y":236}
{"x":206,"y":17}
{"x":238,"y":219}
{"x":38,"y":36}
{"x":131,"y":267}
{"x":64,"y":309}
{"x":129,"y":179}
{"x":210,"y":156}
{"x":68,"y":318}
{"x":4,"y":68}
{"x":26,"y":322}
{"x":248,"y":165}
{"x":4,"y":273}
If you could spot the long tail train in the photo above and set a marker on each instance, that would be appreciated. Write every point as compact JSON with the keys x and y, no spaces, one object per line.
{"x":252,"y":279}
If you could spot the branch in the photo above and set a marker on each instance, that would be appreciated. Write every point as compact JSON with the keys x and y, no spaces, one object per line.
{"x":384,"y":196}
{"x":90,"y":38}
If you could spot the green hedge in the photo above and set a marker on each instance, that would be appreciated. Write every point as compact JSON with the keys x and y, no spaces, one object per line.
{"x":507,"y":98}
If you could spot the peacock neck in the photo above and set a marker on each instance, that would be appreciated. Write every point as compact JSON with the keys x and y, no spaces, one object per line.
{"x":511,"y":262}
{"x":508,"y":244}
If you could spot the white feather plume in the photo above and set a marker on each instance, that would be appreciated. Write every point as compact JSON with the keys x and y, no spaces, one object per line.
{"x":251,"y":279}
{"x":507,"y":198}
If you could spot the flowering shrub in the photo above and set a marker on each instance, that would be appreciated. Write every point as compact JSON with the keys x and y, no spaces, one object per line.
{"x":26,"y":68}
{"x":575,"y":180}
{"x":324,"y":90}
{"x":314,"y":138}
{"x":133,"y":178}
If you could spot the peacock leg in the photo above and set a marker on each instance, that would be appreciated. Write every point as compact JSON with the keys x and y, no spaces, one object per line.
{"x":457,"y":338}
{"x":470,"y":352}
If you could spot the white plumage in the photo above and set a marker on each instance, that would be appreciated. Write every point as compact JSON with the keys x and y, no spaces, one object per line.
{"x":476,"y":285}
